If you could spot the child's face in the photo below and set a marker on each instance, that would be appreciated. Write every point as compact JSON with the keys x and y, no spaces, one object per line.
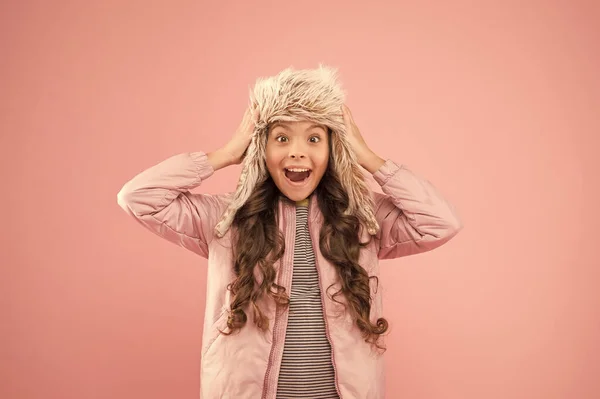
{"x":297,"y":144}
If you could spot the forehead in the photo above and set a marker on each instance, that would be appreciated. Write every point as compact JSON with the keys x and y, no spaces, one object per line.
{"x":299,"y":126}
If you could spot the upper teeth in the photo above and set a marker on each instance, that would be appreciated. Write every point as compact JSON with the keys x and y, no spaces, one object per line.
{"x":298,"y":170}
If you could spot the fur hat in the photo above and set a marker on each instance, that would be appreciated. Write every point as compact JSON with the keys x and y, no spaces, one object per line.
{"x":293,"y":95}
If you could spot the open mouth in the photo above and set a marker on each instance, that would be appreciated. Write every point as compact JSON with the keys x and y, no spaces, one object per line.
{"x":297,"y":176}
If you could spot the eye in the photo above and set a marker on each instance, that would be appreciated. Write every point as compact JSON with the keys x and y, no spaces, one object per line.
{"x":316,"y":137}
{"x":279,"y":137}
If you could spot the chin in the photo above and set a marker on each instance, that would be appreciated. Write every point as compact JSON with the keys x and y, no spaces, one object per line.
{"x":296,"y":196}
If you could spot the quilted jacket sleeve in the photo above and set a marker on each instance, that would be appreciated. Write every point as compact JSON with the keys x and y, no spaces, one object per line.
{"x":412,"y":214}
{"x":160,"y":200}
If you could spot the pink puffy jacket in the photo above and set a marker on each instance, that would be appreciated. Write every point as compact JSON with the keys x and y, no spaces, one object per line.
{"x":413,"y":218}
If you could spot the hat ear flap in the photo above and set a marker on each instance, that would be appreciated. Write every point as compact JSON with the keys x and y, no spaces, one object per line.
{"x":353,"y":182}
{"x":254,"y":172}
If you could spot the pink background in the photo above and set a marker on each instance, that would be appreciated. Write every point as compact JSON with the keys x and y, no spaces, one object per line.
{"x":496,"y":103}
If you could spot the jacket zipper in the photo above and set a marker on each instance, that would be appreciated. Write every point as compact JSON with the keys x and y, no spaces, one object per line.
{"x":337,"y":388}
{"x":275,"y":334}
{"x":264,"y":395}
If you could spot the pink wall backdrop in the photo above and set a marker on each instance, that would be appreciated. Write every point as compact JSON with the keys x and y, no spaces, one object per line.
{"x":497,"y":103}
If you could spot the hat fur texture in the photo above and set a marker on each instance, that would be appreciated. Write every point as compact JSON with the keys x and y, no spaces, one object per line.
{"x":296,"y":95}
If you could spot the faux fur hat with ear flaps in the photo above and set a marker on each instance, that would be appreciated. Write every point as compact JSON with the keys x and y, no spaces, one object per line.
{"x":293,"y":95}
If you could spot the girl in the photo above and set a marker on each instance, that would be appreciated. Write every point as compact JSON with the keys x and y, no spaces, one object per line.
{"x":293,"y":303}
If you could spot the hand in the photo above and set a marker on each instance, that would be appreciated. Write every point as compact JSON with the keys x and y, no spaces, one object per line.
{"x":353,"y":135}
{"x":366,"y":158}
{"x":236,"y":147}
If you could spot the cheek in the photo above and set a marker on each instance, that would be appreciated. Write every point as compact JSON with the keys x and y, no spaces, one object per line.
{"x":272,"y":160}
{"x":324,"y":159}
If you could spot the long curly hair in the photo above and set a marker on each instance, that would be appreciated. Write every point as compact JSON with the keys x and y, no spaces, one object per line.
{"x":338,"y":241}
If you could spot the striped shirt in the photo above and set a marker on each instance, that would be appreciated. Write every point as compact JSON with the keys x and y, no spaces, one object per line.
{"x":306,"y":369}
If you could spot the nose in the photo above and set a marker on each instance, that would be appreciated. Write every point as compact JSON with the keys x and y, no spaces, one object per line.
{"x":297,"y":151}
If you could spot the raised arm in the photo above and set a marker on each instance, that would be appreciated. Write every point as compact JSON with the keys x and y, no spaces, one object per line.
{"x":412,"y":214}
{"x":159,"y":198}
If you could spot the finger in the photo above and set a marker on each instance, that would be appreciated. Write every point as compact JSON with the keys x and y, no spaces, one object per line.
{"x":249,"y":116}
{"x":346,"y":122}
{"x":350,"y":116}
{"x":245,"y":118}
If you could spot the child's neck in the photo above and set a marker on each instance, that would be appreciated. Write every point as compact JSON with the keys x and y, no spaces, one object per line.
{"x":302,"y":202}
